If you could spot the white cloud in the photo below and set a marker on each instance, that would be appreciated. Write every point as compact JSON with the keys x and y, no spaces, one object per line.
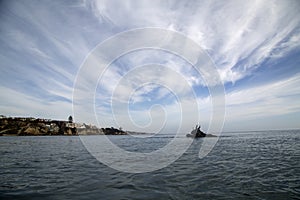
{"x":277,"y":98}
{"x":14,"y":103}
{"x":254,"y":104}
{"x":46,"y":46}
{"x":231,"y":31}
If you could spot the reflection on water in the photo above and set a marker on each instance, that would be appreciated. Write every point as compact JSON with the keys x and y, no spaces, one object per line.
{"x":253,"y":165}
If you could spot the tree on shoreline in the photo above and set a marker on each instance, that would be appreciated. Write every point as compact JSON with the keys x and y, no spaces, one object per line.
{"x":70,"y":119}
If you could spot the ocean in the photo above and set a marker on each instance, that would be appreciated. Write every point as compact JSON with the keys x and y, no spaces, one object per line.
{"x":242,"y":165}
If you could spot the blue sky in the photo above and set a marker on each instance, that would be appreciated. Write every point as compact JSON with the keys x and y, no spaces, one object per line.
{"x":255,"y":46}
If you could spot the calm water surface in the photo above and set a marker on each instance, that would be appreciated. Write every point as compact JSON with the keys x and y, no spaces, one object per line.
{"x":252,"y":165}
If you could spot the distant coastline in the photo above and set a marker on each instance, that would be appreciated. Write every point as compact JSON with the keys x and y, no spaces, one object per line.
{"x":29,"y":126}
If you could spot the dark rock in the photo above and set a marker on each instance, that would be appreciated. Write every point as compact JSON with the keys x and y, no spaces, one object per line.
{"x":113,"y":131}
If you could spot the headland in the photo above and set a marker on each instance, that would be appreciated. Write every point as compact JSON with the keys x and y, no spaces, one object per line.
{"x":29,"y":126}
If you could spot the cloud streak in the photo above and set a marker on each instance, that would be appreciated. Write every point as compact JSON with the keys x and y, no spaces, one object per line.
{"x":254,"y":45}
{"x":238,"y":35}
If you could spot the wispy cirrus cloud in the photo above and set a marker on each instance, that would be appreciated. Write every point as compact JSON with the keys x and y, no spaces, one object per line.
{"x":238,"y":35}
{"x":254,"y":45}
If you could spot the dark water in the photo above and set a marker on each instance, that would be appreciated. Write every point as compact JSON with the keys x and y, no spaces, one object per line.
{"x":253,"y":165}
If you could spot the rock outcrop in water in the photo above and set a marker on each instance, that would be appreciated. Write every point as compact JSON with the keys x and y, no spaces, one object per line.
{"x":197,"y":133}
{"x":20,"y":126}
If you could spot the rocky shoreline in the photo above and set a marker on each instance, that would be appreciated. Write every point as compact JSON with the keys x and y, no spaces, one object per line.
{"x":26,"y":126}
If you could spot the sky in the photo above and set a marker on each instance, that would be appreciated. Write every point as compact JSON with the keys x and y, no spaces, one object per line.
{"x":254,"y":46}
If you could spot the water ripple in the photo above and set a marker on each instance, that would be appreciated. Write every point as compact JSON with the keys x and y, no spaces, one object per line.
{"x":254,"y":165}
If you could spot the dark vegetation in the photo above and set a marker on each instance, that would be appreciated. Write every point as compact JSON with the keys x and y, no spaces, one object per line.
{"x":22,"y":126}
